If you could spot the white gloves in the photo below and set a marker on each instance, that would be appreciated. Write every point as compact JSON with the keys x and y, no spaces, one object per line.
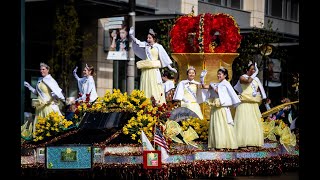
{"x":75,"y":69}
{"x":27,"y":85}
{"x":131,"y":32}
{"x":202,"y":75}
{"x":214,"y":86}
{"x":63,"y":100}
{"x":256,"y":71}
{"x":185,"y":100}
{"x":172,"y":69}
{"x":54,"y":95}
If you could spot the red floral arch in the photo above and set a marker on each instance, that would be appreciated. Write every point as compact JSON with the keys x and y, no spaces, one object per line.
{"x":197,"y":34}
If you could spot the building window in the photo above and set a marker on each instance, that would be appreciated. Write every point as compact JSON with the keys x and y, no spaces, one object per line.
{"x":276,"y":8}
{"x":294,"y":10}
{"x":285,"y":9}
{"x":215,"y":2}
{"x":266,"y":10}
{"x":235,"y":4}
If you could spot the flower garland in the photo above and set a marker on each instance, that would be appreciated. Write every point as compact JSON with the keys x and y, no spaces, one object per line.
{"x":215,"y":33}
{"x":26,"y":145}
{"x":200,"y":36}
{"x":188,"y":170}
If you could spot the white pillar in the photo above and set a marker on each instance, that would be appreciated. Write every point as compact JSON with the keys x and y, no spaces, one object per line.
{"x":186,"y":6}
{"x":257,"y":9}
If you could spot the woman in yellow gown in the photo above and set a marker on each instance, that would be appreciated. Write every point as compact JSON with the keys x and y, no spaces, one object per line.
{"x":221,"y":97}
{"x":249,"y":130}
{"x":49,"y":93}
{"x":188,"y":93}
{"x":153,"y":57}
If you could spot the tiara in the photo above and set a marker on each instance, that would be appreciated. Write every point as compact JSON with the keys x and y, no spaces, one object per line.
{"x":191,"y":68}
{"x":250,"y":63}
{"x":222,"y":68}
{"x":152,"y":32}
{"x":44,"y":65}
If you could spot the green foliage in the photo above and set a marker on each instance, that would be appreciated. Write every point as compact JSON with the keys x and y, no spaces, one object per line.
{"x":251,"y":46}
{"x":68,"y":49}
{"x":165,"y":27}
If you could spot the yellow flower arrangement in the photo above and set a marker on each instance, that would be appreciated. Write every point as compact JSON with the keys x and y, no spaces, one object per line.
{"x":147,"y":116}
{"x":277,"y":128}
{"x":50,"y":125}
{"x":200,"y":126}
{"x":143,"y":122}
{"x":269,"y":130}
{"x":119,"y":102}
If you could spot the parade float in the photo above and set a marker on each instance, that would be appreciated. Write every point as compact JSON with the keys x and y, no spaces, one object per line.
{"x":115,"y":136}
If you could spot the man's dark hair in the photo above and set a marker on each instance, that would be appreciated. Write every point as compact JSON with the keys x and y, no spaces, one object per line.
{"x":167,"y":74}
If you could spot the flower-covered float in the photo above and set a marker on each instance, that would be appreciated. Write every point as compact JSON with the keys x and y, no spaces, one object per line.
{"x":117,"y":134}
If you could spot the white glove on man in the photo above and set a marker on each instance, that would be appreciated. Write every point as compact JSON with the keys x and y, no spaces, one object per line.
{"x":256,"y":71}
{"x":131,"y":31}
{"x":172,"y":69}
{"x":202,"y":75}
{"x":75,"y":69}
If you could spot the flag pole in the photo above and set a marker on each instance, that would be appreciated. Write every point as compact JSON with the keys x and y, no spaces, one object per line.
{"x":141,"y":140}
{"x":154,"y":135}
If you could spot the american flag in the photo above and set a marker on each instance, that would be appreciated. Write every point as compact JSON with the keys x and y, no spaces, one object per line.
{"x":159,"y":139}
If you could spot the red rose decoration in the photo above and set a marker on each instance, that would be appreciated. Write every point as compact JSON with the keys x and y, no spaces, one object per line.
{"x":205,"y":33}
{"x":87,"y":97}
{"x":180,"y":32}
